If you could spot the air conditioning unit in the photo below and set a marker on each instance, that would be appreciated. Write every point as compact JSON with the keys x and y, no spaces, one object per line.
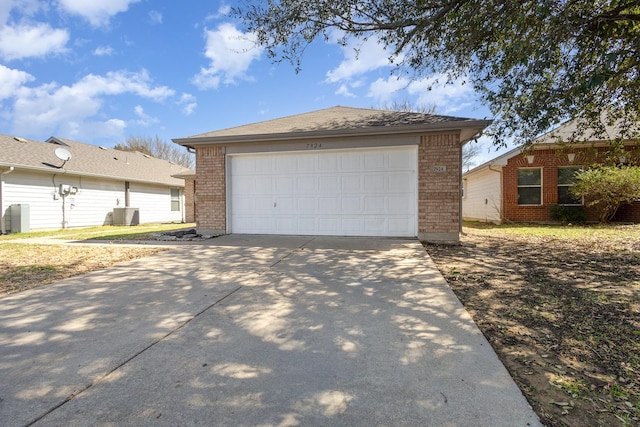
{"x":126,"y":216}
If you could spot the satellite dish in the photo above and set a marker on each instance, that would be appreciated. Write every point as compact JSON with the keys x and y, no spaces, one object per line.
{"x":63,"y":154}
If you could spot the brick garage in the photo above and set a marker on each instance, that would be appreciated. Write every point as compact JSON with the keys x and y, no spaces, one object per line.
{"x":338,"y":171}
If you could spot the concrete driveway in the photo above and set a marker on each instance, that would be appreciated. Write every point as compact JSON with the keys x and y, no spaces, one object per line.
{"x":254,"y":330}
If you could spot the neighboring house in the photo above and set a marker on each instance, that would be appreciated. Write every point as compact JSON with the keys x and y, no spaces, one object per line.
{"x":39,"y":190}
{"x":522,"y":186}
{"x":338,"y":171}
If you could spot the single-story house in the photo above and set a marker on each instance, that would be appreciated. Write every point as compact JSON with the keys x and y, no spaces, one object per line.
{"x":523,"y":185}
{"x":337,"y":171}
{"x":61,"y":183}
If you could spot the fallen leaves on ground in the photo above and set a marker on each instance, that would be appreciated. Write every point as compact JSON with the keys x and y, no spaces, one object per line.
{"x":563,"y":314}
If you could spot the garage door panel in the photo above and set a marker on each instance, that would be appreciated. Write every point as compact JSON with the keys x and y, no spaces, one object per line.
{"x":374,"y":160}
{"x":328,"y":225}
{"x":374,"y":183}
{"x":328,"y":184}
{"x":374,"y":204}
{"x":328,"y":163}
{"x":341,"y":192}
{"x":306,"y":184}
{"x":307,"y":204}
{"x":262,"y":185}
{"x":401,"y":182}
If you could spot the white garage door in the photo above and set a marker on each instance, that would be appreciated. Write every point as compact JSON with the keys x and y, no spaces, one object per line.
{"x":363,"y":192}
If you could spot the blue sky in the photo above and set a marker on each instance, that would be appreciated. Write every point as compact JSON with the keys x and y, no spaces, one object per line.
{"x":100,"y":71}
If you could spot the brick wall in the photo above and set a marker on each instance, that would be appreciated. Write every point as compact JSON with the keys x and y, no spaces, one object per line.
{"x":189,"y":200}
{"x":210,"y":199}
{"x":549,"y":161}
{"x":439,"y":172}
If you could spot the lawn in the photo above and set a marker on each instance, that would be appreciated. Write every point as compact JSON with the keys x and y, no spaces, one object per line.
{"x":561,"y":307}
{"x":24,"y":265}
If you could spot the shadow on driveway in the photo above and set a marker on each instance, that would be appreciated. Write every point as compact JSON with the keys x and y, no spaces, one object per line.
{"x":254,"y":330}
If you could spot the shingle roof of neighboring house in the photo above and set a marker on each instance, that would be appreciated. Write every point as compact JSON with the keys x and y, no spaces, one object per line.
{"x":568,"y":131}
{"x":88,"y":160}
{"x":335,"y":122}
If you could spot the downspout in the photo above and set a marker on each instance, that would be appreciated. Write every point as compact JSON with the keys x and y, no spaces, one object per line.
{"x":2,"y":174}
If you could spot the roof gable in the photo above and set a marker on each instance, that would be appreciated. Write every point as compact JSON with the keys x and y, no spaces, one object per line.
{"x":87,"y":160}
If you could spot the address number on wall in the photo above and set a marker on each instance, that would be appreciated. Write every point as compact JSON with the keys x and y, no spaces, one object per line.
{"x":438,"y":169}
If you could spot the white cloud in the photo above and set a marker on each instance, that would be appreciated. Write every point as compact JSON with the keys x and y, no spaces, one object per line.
{"x":103,"y":51}
{"x":94,"y":129}
{"x":386,"y":89}
{"x":188,"y":102}
{"x":27,"y":41}
{"x":144,"y":119}
{"x":223,"y":11}
{"x":447,"y":97}
{"x":344,"y":91}
{"x":97,"y":12}
{"x":231,"y":53}
{"x":11,"y":80}
{"x":70,"y":109}
{"x":155,"y":17}
{"x":360,"y":57}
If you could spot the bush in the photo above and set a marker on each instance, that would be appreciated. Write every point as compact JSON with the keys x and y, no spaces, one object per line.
{"x":607,"y":188}
{"x":568,"y":214}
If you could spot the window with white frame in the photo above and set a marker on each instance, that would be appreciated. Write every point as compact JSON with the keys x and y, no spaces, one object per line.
{"x":566,"y":180}
{"x":530,"y":186}
{"x":175,"y":200}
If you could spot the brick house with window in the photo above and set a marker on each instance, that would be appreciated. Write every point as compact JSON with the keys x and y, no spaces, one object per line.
{"x":338,"y":171}
{"x":522,"y":186}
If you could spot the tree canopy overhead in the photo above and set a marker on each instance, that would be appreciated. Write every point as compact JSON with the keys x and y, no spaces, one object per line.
{"x":534,"y":63}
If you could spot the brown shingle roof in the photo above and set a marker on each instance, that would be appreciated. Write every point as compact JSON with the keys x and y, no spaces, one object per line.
{"x":88,"y":160}
{"x":335,"y":121}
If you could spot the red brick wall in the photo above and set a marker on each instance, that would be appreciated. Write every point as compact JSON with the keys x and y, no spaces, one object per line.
{"x":438,"y":189}
{"x":210,"y":200}
{"x":549,"y":161}
{"x":439,"y":172}
{"x":629,"y":213}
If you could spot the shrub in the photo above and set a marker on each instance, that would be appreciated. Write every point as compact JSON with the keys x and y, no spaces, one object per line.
{"x":568,"y":214}
{"x":607,"y":188}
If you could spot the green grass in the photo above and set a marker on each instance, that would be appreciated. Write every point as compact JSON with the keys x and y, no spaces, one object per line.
{"x":107,"y":232}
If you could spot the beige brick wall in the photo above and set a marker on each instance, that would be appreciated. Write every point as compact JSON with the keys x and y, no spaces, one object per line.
{"x":439,"y":172}
{"x":210,"y":200}
{"x":189,"y":200}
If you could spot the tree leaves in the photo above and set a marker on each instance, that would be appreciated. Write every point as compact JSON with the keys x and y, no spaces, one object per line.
{"x":535,"y":63}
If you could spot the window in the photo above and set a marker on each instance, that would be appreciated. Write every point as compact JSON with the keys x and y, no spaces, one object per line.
{"x":566,"y":179}
{"x":175,"y":200}
{"x":530,"y":186}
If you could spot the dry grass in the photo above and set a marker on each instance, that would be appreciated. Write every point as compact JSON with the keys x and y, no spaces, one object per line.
{"x":28,"y":265}
{"x":561,"y":307}
{"x":24,"y":266}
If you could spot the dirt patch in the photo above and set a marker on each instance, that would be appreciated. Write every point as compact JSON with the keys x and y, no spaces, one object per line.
{"x":563,"y":315}
{"x":26,"y":266}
